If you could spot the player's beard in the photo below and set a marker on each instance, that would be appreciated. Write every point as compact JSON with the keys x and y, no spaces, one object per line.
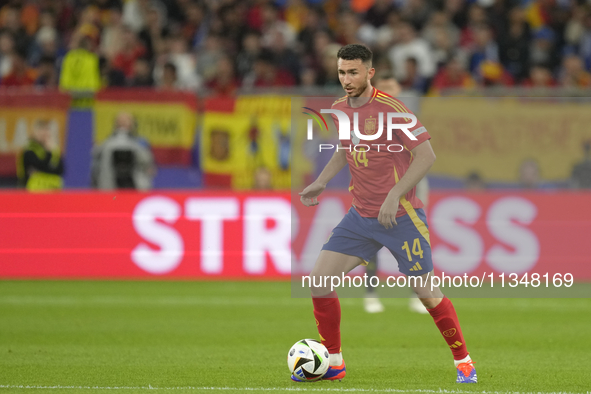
{"x":359,"y":91}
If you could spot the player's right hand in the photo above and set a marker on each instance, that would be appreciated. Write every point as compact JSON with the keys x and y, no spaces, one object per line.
{"x":309,"y":197}
{"x":388,"y":210}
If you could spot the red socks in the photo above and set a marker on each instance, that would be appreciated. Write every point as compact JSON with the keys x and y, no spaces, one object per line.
{"x":327,"y":311}
{"x":446,"y":320}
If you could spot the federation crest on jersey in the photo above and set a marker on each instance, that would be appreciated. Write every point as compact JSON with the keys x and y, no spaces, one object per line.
{"x":370,"y":126}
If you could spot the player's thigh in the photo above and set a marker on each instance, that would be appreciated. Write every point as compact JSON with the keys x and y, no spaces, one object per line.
{"x":328,"y":265}
{"x":349,"y":245}
{"x":331,"y":263}
{"x":353,"y":236}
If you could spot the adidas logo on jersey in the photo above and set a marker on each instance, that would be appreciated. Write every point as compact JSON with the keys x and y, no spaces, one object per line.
{"x":416,"y":267}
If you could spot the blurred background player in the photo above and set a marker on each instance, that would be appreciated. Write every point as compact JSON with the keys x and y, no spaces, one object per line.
{"x":40,"y":167}
{"x":386,"y":83}
{"x":123,"y":161}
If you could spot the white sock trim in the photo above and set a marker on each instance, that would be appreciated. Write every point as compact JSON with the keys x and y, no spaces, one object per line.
{"x":335,"y":359}
{"x":464,"y":360}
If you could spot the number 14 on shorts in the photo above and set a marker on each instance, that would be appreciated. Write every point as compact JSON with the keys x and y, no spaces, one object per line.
{"x":416,"y":249}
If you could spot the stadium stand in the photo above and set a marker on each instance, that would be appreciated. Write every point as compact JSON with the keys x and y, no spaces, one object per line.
{"x":217,"y":46}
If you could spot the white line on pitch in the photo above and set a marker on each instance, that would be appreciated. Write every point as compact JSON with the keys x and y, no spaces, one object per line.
{"x":149,"y":387}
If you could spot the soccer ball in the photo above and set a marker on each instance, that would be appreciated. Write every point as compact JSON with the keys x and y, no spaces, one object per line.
{"x":308,"y":360}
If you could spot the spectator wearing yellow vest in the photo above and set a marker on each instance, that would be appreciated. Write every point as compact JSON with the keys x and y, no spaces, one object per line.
{"x":80,"y":68}
{"x":40,"y":167}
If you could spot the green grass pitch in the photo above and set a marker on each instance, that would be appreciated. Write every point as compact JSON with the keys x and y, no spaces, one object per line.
{"x":227,"y":337}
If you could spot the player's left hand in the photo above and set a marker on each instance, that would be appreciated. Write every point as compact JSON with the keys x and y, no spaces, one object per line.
{"x":388,"y":210}
{"x":309,"y":196}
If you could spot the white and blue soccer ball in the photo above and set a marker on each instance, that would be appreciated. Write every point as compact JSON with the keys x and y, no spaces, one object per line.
{"x":308,"y":360}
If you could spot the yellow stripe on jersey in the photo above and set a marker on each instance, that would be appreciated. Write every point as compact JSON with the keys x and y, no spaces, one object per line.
{"x":393,"y":106}
{"x":373,"y":96}
{"x":393,"y":102}
{"x":351,"y":187}
{"x":397,"y":108}
{"x":382,"y":95}
{"x":340,"y":100}
{"x":419,"y":224}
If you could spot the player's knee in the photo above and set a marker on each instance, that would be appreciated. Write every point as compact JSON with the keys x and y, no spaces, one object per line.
{"x":319,"y":284}
{"x":422,"y":292}
{"x":427,"y":291}
{"x":430,"y":303}
{"x":320,"y":291}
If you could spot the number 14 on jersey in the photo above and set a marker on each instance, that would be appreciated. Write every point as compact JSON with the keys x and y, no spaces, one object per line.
{"x":360,"y":157}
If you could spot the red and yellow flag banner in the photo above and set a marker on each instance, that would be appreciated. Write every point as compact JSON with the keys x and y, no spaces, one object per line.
{"x":246,"y":142}
{"x":167,"y":120}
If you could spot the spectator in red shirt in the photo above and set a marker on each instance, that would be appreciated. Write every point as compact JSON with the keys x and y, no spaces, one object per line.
{"x":224,"y":83}
{"x":452,"y":75}
{"x":540,"y":76}
{"x":131,"y":50}
{"x":21,"y":74}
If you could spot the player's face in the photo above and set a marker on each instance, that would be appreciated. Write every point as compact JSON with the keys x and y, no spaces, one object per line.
{"x":354,"y":76}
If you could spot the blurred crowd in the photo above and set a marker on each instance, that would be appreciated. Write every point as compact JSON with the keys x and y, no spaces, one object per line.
{"x":220,"y":46}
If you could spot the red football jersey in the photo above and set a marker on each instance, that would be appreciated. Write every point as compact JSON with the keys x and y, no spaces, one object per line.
{"x":376,"y":170}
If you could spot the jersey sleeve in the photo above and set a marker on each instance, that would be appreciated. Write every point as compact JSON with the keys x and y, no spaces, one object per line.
{"x":421,"y":134}
{"x":418,"y":131}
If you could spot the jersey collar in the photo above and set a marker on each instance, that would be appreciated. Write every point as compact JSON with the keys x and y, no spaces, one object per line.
{"x":373,"y":96}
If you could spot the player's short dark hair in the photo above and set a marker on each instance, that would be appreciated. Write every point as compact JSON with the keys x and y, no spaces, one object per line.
{"x":354,"y":52}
